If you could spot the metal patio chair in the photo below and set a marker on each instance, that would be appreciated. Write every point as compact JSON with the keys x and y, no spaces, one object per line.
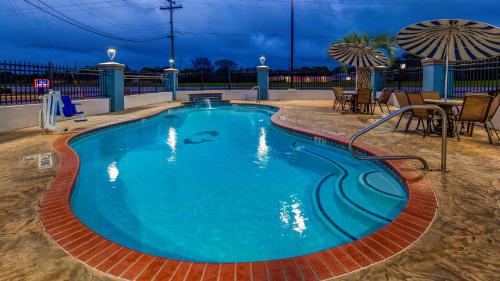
{"x":341,"y":100}
{"x":430,"y":95}
{"x":364,"y":99}
{"x":402,"y":101}
{"x":384,"y":99}
{"x":476,"y":110}
{"x":424,"y":116}
{"x":495,"y":105}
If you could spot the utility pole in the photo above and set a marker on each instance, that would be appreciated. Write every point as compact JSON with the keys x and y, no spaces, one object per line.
{"x":292,"y":41}
{"x":171,"y":5}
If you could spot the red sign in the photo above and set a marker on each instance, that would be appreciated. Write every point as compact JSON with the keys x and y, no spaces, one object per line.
{"x":42,"y":83}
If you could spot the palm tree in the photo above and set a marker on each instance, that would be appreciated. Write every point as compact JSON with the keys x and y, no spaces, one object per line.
{"x":384,"y":42}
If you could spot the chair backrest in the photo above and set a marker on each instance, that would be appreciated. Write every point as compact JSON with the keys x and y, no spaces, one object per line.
{"x":475,"y":108}
{"x":338,"y":91}
{"x":430,"y":95}
{"x":364,"y":96}
{"x":385,"y":96}
{"x":69,"y":107}
{"x":495,"y":104}
{"x":417,"y":99}
{"x":402,"y":98}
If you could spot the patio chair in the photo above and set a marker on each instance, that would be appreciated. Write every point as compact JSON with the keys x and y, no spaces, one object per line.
{"x":475,"y":109}
{"x":424,"y":116}
{"x":470,"y":125}
{"x":69,"y":109}
{"x":340,"y":99}
{"x":402,"y":101}
{"x":430,"y":95}
{"x":495,"y":105}
{"x":364,"y":97}
{"x":384,"y":99}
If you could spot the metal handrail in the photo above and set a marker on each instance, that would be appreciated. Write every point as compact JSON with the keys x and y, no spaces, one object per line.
{"x":253,"y":89}
{"x":404,"y":157}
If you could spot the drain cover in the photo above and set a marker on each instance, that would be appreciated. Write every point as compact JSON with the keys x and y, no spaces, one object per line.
{"x":45,"y":161}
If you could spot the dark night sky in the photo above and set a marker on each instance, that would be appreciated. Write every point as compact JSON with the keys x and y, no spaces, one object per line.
{"x":240,"y":30}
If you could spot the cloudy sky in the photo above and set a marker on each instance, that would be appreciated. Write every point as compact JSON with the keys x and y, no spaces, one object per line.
{"x":240,"y":30}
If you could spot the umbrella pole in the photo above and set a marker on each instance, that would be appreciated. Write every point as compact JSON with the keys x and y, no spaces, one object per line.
{"x":446,"y":78}
{"x":356,"y":83}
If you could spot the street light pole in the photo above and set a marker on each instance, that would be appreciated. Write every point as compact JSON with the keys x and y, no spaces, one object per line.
{"x":171,"y":5}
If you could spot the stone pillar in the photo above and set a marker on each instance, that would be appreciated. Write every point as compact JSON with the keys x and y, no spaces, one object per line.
{"x":434,"y":76}
{"x":171,"y":81}
{"x":378,"y":80}
{"x":111,"y":82}
{"x":263,"y":81}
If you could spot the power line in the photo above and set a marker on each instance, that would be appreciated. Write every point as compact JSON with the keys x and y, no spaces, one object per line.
{"x":88,"y":28}
{"x":253,"y":34}
{"x":170,"y":6}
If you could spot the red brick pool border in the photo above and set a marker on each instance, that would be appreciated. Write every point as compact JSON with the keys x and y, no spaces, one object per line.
{"x":106,"y":256}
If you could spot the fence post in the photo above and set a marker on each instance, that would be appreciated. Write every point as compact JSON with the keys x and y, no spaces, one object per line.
{"x":378,"y":80}
{"x":434,"y":77}
{"x":112,"y":84}
{"x":263,"y":81}
{"x":171,"y":81}
{"x":51,"y":75}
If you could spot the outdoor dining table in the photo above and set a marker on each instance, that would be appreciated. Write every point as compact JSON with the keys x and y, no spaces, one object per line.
{"x":448,"y":106}
{"x":354,"y":99}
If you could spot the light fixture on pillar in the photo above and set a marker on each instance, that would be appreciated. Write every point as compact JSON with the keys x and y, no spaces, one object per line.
{"x":111,"y":53}
{"x":171,"y":62}
{"x":403,"y":66}
{"x":262,"y":60}
{"x":348,"y":78}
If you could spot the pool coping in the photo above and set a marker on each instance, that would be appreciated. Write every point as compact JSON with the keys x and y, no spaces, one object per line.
{"x":79,"y":241}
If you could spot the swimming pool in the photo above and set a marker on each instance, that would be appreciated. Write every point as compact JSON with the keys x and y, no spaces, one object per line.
{"x":226,"y":185}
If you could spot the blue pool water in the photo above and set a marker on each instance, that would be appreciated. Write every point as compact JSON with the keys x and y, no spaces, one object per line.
{"x":225,"y":185}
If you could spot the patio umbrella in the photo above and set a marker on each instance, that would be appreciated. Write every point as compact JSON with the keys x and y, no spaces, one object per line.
{"x":357,"y":55}
{"x":451,"y":40}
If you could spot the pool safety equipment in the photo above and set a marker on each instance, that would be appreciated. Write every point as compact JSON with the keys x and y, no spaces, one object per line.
{"x":51,"y":103}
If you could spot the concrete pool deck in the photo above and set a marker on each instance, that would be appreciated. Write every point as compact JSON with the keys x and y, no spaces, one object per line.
{"x":462,"y":244}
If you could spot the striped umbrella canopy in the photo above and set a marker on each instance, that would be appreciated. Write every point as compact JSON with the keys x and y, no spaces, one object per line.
{"x":357,"y":55}
{"x":451,"y":40}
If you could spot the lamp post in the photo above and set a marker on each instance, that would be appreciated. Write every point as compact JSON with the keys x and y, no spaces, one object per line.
{"x":263,"y":79}
{"x":402,"y":68}
{"x":111,"y":54}
{"x":111,"y":81}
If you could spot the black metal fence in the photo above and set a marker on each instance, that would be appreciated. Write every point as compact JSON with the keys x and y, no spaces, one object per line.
{"x":243,"y":80}
{"x":408,"y":79}
{"x":17,"y":82}
{"x":311,"y":81}
{"x":477,"y":77}
{"x":136,"y":84}
{"x":217,"y":80}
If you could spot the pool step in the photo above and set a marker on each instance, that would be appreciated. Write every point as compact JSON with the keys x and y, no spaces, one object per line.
{"x":335,"y":209}
{"x":378,"y":195}
{"x":339,"y":214}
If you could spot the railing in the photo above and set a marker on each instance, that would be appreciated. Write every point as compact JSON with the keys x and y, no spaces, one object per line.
{"x":311,"y":80}
{"x":257,"y":98}
{"x":143,"y":84}
{"x":216,"y":80}
{"x":405,"y":157}
{"x":477,"y":76}
{"x":407,"y":80}
{"x":17,"y":82}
